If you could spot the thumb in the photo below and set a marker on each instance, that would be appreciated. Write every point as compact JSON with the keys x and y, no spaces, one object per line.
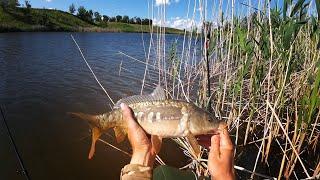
{"x":128,"y":117}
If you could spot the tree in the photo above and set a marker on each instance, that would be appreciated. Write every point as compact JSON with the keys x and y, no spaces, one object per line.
{"x":125,"y":19}
{"x":85,"y":15}
{"x":132,"y":21}
{"x":27,"y":10}
{"x":9,"y":3}
{"x":138,"y":20}
{"x":90,"y":14}
{"x":97,"y":17}
{"x":146,"y":21}
{"x":28,"y":5}
{"x":118,"y":18}
{"x":4,"y":3}
{"x":112,"y":19}
{"x":72,"y":9}
{"x":13,"y":3}
{"x":82,"y":13}
{"x":106,"y":18}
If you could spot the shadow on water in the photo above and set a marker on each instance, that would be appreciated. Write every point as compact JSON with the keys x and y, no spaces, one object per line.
{"x":42,"y":76}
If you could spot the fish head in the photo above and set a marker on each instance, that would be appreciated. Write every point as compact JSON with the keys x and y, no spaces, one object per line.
{"x":203,"y":122}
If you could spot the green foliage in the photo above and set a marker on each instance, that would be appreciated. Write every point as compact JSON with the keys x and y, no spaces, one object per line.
{"x":112,"y":19}
{"x":9,"y":3}
{"x":318,"y":8}
{"x":29,"y":19}
{"x":170,"y":173}
{"x":85,"y":15}
{"x":27,"y":3}
{"x":125,"y":19}
{"x":286,"y":3}
{"x":97,"y":17}
{"x":105,"y":18}
{"x":72,"y":8}
{"x":310,"y":101}
{"x":24,"y":19}
{"x":297,"y":7}
{"x":138,"y":21}
{"x":118,"y":18}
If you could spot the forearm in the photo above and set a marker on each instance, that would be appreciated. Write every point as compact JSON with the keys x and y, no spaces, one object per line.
{"x":225,"y":177}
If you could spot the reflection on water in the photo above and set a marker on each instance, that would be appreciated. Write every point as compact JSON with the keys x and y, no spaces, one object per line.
{"x":42,"y":76}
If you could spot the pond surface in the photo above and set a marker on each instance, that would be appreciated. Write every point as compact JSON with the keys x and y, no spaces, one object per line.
{"x":42,"y":76}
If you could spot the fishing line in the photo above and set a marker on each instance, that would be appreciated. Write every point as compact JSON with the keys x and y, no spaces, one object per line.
{"x":95,"y":77}
{"x":24,"y":171}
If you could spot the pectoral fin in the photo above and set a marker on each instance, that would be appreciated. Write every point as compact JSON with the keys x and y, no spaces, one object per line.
{"x":96,"y":133}
{"x":194,"y":144}
{"x":120,"y":134}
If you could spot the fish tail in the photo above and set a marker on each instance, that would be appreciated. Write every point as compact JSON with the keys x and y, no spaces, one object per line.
{"x":95,"y":129}
{"x":92,"y":119}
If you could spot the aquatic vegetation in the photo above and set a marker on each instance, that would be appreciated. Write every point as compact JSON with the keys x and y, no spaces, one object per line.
{"x":264,"y":77}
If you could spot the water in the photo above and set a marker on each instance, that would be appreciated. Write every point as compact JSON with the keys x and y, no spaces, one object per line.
{"x":42,"y":76}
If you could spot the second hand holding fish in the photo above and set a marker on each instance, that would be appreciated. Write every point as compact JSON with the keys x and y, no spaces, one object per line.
{"x":220,"y":159}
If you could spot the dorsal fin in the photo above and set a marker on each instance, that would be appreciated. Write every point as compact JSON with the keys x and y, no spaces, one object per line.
{"x":158,"y":94}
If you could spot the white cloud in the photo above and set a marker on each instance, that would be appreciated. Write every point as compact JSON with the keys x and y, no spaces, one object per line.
{"x":162,"y":2}
{"x":165,"y":2}
{"x":178,"y":23}
{"x":48,"y":0}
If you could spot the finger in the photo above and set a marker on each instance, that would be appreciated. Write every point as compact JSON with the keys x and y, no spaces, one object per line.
{"x":215,"y":147}
{"x":128,"y":116}
{"x":225,"y":140}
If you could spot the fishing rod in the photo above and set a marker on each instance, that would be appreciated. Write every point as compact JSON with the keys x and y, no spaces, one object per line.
{"x":24,"y":171}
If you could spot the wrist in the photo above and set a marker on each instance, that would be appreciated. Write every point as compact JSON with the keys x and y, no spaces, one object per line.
{"x":227,"y":176}
{"x":144,"y":158}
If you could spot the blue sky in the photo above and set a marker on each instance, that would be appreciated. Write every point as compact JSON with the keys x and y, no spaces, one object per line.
{"x":115,"y":7}
{"x":176,"y":10}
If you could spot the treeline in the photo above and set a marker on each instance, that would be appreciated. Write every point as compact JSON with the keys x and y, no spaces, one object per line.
{"x":96,"y":17}
{"x":14,"y":3}
{"x":9,"y":3}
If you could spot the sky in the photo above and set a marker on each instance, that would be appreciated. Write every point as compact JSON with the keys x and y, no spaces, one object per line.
{"x":178,"y":13}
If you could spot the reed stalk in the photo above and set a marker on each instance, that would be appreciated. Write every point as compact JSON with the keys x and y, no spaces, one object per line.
{"x":264,"y":79}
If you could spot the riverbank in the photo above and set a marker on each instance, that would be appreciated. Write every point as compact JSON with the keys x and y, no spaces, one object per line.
{"x":42,"y":20}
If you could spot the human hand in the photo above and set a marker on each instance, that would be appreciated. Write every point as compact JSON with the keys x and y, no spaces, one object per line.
{"x":220,"y":160}
{"x":143,"y":150}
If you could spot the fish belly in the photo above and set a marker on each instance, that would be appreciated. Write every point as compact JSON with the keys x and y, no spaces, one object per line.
{"x":168,"y":120}
{"x":164,"y":128}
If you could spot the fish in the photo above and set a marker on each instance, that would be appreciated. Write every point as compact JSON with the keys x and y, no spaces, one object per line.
{"x":157,"y":115}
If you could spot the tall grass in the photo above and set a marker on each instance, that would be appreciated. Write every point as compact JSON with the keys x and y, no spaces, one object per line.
{"x":262,"y":67}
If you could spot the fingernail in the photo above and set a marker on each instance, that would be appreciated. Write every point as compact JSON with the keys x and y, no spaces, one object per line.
{"x":122,"y":105}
